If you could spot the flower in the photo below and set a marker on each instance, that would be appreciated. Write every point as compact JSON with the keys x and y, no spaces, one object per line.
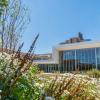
{"x":0,"y":91}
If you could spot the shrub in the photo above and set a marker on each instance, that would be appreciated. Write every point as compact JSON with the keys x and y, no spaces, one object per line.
{"x":94,"y":73}
{"x":16,"y":75}
{"x":67,"y":88}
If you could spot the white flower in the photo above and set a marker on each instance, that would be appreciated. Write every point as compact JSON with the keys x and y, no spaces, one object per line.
{"x":93,"y":91}
{"x":0,"y":91}
{"x":37,"y":84}
{"x":66,"y":92}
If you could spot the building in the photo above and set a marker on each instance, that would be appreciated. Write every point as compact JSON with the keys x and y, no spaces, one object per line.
{"x":43,"y":56}
{"x":75,"y":39}
{"x":73,"y":54}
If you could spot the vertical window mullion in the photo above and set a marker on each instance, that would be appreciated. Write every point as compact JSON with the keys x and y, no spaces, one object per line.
{"x":96,"y":58}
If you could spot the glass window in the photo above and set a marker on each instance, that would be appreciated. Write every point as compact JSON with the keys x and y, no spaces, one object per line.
{"x":85,"y":59}
{"x":98,"y":57}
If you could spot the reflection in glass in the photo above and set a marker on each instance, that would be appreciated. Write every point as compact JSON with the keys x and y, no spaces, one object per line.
{"x":71,"y":60}
{"x":81,"y":59}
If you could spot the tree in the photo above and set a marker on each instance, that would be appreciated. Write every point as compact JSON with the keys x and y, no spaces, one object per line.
{"x":13,"y":21}
{"x":3,"y":4}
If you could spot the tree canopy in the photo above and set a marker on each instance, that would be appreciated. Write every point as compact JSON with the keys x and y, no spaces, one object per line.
{"x":3,"y":4}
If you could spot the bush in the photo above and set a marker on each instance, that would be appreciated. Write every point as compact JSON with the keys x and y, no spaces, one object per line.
{"x":16,"y":75}
{"x":67,"y":88}
{"x":94,"y":73}
{"x":17,"y":85}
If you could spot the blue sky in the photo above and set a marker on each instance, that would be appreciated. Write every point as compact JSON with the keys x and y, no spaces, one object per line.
{"x":58,"y":20}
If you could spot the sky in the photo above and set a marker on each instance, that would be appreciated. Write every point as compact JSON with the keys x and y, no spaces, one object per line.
{"x":58,"y":20}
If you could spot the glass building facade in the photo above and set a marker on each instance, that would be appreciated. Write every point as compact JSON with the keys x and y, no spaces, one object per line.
{"x":72,"y":60}
{"x":48,"y":67}
{"x":81,"y":59}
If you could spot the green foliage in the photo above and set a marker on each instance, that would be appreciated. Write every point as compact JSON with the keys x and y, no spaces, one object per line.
{"x":3,"y":4}
{"x":94,"y":73}
{"x":24,"y":89}
{"x":68,"y":88}
{"x":16,"y":75}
